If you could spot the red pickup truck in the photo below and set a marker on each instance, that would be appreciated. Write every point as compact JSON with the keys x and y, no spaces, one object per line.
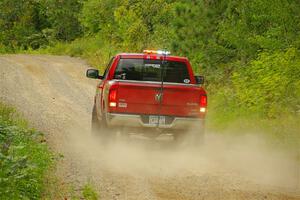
{"x":150,"y":93}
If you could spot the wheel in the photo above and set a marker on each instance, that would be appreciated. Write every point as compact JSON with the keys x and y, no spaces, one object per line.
{"x":99,"y":127}
{"x":95,"y":125}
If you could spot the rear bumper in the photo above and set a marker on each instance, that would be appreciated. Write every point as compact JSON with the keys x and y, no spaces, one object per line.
{"x":135,"y":121}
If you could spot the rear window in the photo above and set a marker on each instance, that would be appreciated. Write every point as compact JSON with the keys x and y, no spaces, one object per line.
{"x":150,"y":70}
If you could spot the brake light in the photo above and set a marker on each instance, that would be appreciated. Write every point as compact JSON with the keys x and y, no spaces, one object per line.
{"x":203,"y":103}
{"x":112,"y":98}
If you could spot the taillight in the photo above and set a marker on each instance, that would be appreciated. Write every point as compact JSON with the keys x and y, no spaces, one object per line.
{"x":112,"y":98}
{"x":203,"y":103}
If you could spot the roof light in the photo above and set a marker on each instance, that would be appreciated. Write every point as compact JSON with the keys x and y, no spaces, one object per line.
{"x":148,"y":51}
{"x":161,"y":52}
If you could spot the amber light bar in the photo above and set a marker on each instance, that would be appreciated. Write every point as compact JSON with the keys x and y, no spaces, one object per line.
{"x":161,"y":52}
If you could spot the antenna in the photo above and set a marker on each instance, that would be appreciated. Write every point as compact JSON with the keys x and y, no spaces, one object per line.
{"x":162,"y":73}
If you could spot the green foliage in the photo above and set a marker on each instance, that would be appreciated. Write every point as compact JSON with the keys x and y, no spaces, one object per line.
{"x":94,"y":49}
{"x":270,"y":85}
{"x":62,"y":17}
{"x":17,"y":23}
{"x":98,"y":16}
{"x":263,"y":95}
{"x":140,"y":23}
{"x":23,"y":160}
{"x":129,"y":25}
{"x":37,"y":23}
{"x":89,"y":192}
{"x":251,"y":26}
{"x":195,"y":25}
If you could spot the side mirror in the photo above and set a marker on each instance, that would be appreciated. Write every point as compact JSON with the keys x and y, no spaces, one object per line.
{"x":199,"y":79}
{"x":93,"y":73}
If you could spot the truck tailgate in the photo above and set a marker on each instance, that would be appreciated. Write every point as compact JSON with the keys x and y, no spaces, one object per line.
{"x":141,"y":98}
{"x":138,"y":98}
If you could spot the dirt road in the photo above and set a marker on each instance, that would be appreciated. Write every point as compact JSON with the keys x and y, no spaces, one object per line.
{"x":53,"y":93}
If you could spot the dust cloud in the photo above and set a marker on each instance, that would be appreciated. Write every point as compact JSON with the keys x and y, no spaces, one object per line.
{"x":243,"y":162}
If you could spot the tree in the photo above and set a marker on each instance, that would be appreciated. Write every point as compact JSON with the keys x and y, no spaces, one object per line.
{"x":18,"y":21}
{"x":63,"y":17}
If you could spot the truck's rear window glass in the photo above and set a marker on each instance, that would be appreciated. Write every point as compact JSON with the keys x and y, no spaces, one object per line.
{"x":150,"y":70}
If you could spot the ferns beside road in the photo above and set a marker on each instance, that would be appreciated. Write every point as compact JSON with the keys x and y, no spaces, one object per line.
{"x":24,"y":160}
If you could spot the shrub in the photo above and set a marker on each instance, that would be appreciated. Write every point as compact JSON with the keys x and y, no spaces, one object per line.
{"x":23,"y":159}
{"x":269,"y":85}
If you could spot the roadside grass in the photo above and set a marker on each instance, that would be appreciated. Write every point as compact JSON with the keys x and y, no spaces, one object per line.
{"x":89,"y":192}
{"x":25,"y":158}
{"x":28,"y":167}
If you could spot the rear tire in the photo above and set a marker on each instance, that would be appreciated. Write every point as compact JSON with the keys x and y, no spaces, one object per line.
{"x":99,"y":127}
{"x":95,"y":125}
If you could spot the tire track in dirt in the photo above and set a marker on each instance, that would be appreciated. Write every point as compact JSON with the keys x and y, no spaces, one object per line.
{"x":53,"y":93}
